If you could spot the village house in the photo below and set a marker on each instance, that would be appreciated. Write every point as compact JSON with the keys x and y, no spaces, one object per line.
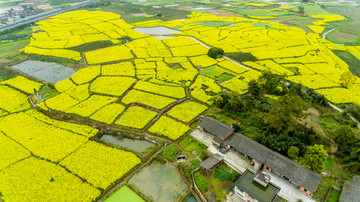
{"x":219,"y":130}
{"x":255,"y":187}
{"x":262,"y":157}
{"x":351,"y":190}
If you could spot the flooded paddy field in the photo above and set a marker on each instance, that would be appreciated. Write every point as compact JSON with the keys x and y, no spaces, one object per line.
{"x":46,"y":71}
{"x":156,"y":30}
{"x":160,"y":182}
{"x":137,"y":145}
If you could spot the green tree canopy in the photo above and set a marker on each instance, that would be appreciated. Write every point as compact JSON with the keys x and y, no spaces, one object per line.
{"x":293,"y":152}
{"x":254,"y":89}
{"x":282,"y":114}
{"x":345,"y":138}
{"x":215,"y":52}
{"x":272,"y":83}
{"x":353,"y":160}
{"x":235,"y":102}
{"x":315,"y":157}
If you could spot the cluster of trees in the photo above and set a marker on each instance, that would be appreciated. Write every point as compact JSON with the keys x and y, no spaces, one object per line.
{"x":354,"y":110}
{"x":215,"y":52}
{"x":275,"y":123}
{"x":349,"y":147}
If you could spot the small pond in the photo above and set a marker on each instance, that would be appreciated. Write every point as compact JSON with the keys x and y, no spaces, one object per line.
{"x":160,"y":182}
{"x":136,"y":145}
{"x":156,"y":30}
{"x":191,"y":199}
{"x":46,"y":71}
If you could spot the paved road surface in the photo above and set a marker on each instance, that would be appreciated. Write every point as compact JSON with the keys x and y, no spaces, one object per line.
{"x":326,"y":33}
{"x":288,"y":191}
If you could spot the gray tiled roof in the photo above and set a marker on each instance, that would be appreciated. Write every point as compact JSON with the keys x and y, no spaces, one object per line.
{"x":215,"y":127}
{"x":351,"y":190}
{"x":212,"y":161}
{"x":295,"y":172}
{"x":248,"y":147}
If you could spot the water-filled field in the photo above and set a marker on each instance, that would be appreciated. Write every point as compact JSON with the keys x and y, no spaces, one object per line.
{"x":160,"y":183}
{"x":46,"y":71}
{"x":127,"y":143}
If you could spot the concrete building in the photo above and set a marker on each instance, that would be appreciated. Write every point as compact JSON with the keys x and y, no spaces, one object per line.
{"x":254,"y":187}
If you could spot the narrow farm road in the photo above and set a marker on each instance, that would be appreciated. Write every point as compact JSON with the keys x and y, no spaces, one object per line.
{"x":226,"y":58}
{"x":341,"y":111}
{"x":326,"y":33}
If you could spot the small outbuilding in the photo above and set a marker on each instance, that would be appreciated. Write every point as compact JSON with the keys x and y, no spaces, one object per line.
{"x":211,"y":163}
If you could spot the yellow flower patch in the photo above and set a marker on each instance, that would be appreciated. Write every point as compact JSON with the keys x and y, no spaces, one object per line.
{"x":187,"y":111}
{"x":110,"y":54}
{"x":64,"y":85}
{"x":314,"y":81}
{"x":46,"y":141}
{"x":86,"y":74}
{"x":203,"y":60}
{"x":111,"y":85}
{"x":84,"y":130}
{"x":193,"y":50}
{"x":23,"y":84}
{"x":170,"y":128}
{"x":100,"y":165}
{"x":170,"y":91}
{"x":12,"y":100}
{"x":79,"y":92}
{"x":226,"y":64}
{"x":136,"y":117}
{"x":32,"y":179}
{"x":61,"y":102}
{"x":316,"y":29}
{"x":118,"y":69}
{"x":91,"y":105}
{"x":179,"y":41}
{"x":156,"y":101}
{"x":108,"y":114}
{"x":10,"y":152}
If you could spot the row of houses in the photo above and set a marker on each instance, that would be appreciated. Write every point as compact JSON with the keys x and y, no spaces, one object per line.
{"x":260,"y":156}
